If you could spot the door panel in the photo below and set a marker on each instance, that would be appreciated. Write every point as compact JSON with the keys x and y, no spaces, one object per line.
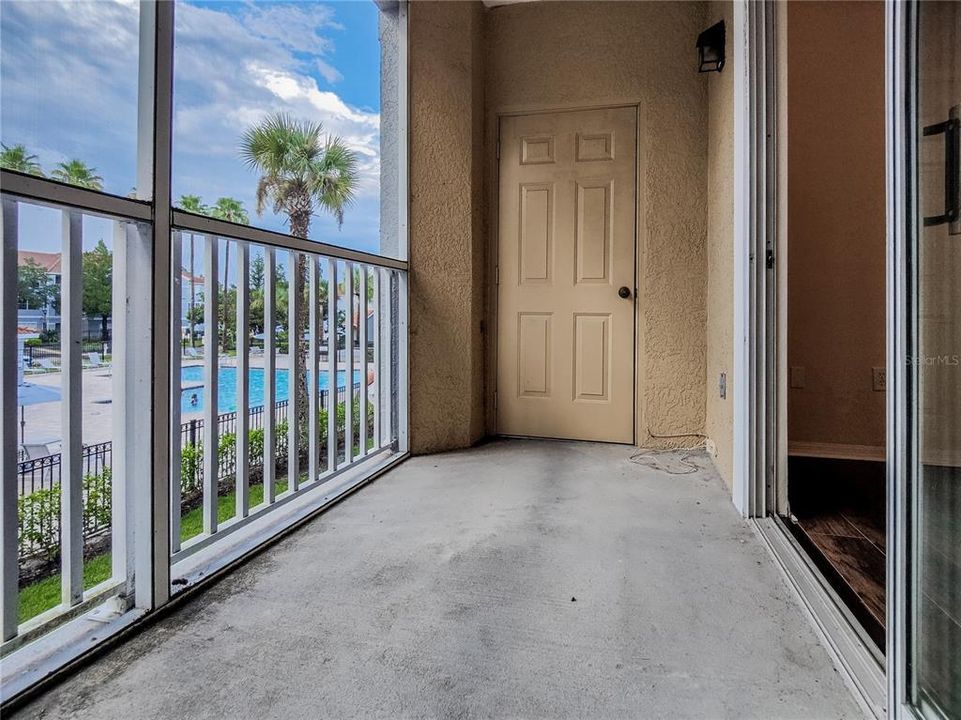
{"x":935,"y":595}
{"x":566,"y":246}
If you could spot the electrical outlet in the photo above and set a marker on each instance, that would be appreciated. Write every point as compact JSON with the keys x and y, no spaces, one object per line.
{"x":797,"y":377}
{"x":880,"y":377}
{"x":722,"y":386}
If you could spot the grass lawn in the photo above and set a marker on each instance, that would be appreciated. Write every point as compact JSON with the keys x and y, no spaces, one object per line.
{"x":44,"y":594}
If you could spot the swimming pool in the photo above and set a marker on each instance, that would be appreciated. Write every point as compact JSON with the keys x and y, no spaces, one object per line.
{"x":193,"y":376}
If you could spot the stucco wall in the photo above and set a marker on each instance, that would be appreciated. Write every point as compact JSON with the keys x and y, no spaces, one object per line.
{"x":548,"y":55}
{"x":836,"y":221}
{"x":719,"y":417}
{"x":447,"y":273}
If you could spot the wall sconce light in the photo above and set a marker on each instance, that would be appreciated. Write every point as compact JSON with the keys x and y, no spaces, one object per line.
{"x":710,"y":49}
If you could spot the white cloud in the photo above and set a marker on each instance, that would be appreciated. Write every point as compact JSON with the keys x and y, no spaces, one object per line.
{"x":69,"y":89}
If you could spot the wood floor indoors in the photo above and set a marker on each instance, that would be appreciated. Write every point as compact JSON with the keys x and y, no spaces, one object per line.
{"x":839,"y":518}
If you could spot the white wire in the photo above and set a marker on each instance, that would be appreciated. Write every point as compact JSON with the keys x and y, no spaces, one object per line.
{"x":650,"y":459}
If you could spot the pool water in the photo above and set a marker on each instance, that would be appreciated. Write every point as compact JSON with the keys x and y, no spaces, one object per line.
{"x":192,"y":396}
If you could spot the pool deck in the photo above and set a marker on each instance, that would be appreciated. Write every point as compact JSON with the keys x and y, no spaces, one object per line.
{"x":43,"y":422}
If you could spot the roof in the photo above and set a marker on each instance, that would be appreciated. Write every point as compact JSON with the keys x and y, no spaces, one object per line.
{"x":49,"y":261}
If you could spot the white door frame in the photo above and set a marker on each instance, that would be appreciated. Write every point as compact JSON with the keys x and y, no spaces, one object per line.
{"x":755,"y":214}
{"x":756,"y":459}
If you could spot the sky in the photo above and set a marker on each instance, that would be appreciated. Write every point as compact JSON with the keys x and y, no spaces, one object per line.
{"x":68,"y":89}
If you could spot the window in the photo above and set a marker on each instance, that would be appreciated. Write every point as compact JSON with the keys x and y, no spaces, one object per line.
{"x":248,"y":75}
{"x":68,"y":91}
{"x":208,"y":380}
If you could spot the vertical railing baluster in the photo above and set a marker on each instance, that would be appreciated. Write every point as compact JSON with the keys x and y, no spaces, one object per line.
{"x":242,"y":343}
{"x":211,"y":363}
{"x":386,"y":352}
{"x":9,"y":442}
{"x":349,"y":373}
{"x":399,"y":353}
{"x":378,"y":405}
{"x":270,"y":367}
{"x":331,"y":365}
{"x":294,"y":300}
{"x":362,"y":347}
{"x":313,"y":369}
{"x":176,"y":352}
{"x":71,"y":378}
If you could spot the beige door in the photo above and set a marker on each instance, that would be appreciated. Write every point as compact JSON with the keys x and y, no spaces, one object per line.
{"x":565,"y":337}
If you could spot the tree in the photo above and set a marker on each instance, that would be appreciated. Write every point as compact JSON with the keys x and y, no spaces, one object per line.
{"x":231,"y":210}
{"x":302,"y":171}
{"x":17,"y":158}
{"x":35,"y":289}
{"x":257,"y":272}
{"x":77,"y":172}
{"x":97,"y":298}
{"x":192,"y":204}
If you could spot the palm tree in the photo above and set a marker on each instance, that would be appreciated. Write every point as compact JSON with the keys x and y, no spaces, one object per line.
{"x":77,"y":172}
{"x":302,"y":170}
{"x":231,"y":210}
{"x":192,"y":204}
{"x":17,"y":158}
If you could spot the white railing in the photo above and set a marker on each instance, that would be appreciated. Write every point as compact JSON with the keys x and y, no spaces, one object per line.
{"x":147,"y":453}
{"x":129,"y":384}
{"x":348,"y":331}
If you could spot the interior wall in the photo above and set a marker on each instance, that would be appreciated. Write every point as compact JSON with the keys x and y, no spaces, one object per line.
{"x":719,"y":413}
{"x":836,"y":222}
{"x":447,"y":248}
{"x":549,"y":55}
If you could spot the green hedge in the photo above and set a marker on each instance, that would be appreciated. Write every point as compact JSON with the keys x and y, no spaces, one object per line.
{"x":39,"y":512}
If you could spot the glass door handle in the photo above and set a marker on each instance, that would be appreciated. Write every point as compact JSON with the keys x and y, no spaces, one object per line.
{"x":951,"y":129}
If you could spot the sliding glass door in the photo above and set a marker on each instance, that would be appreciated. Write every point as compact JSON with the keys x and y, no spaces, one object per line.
{"x":930,"y":489}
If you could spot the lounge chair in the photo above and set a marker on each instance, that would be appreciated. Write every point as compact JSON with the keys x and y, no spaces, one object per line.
{"x":35,"y":451}
{"x":192,"y":352}
{"x":94,"y":360}
{"x":47,"y":364}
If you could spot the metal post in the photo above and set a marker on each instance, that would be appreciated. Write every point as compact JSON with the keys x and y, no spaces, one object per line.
{"x":362,"y":347}
{"x":176,"y":310}
{"x":349,"y":373}
{"x":331,"y":365}
{"x":378,"y":405}
{"x":270,"y":374}
{"x":313,"y":371}
{"x":71,"y":379}
{"x":211,"y":365}
{"x":9,"y":362}
{"x":293,"y":372}
{"x":243,"y":374}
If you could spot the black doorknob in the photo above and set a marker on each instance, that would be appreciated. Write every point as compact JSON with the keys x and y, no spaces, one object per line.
{"x":624,"y":292}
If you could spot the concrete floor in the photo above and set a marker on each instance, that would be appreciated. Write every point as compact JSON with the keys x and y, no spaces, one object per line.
{"x":446,"y":589}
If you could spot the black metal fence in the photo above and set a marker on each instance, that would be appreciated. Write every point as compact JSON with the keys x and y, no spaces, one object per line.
{"x":51,"y":351}
{"x":39,"y":479}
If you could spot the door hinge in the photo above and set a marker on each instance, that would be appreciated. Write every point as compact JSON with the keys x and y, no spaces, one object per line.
{"x":770,"y":259}
{"x":497,"y":148}
{"x":495,"y":399}
{"x":497,"y":275}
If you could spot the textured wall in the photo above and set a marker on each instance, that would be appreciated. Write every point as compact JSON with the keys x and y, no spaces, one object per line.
{"x":720,"y":252}
{"x":446,"y":234}
{"x":560,"y":55}
{"x":836,"y":216}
